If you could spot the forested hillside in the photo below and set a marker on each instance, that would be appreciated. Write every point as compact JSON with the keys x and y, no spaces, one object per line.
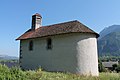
{"x":109,"y":42}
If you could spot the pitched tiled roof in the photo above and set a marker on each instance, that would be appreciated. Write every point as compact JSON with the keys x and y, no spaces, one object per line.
{"x":55,"y":29}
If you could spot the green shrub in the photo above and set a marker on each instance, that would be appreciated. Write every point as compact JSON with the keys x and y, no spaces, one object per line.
{"x":15,"y":73}
{"x":118,"y":68}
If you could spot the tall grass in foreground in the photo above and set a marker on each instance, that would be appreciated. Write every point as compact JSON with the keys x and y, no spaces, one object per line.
{"x":17,"y":74}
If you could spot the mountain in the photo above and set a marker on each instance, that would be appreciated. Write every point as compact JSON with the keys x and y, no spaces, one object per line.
{"x":109,"y":42}
{"x":6,"y":57}
{"x":110,"y":29}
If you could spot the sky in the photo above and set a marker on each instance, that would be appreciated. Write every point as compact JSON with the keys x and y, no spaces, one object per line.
{"x":16,"y":16}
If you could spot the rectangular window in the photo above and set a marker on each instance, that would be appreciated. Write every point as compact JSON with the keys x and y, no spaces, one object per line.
{"x":49,"y":43}
{"x":30,"y":45}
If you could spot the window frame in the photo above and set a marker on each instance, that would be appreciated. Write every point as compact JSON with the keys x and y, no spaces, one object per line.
{"x":31,"y":45}
{"x":49,"y":44}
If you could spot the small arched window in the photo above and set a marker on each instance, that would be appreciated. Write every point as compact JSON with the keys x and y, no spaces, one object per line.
{"x":49,"y":43}
{"x":31,"y":45}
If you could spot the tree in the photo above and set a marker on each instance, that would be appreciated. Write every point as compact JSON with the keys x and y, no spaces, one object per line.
{"x":118,"y":68}
{"x":114,"y":66}
{"x":101,"y":67}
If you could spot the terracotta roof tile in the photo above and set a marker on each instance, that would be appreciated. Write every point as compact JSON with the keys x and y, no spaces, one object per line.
{"x":61,"y":28}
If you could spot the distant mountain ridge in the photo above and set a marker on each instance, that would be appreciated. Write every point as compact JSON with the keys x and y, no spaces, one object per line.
{"x":110,"y":29}
{"x":6,"y":57}
{"x":109,"y":41}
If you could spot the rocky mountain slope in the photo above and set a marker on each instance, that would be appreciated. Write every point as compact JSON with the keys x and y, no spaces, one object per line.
{"x":110,"y":29}
{"x":109,"y":42}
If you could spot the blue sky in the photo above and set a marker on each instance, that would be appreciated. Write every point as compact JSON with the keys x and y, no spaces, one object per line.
{"x":15,"y":17}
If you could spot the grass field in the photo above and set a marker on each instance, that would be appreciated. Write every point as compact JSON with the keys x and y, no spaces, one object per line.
{"x":17,"y":74}
{"x":62,"y":76}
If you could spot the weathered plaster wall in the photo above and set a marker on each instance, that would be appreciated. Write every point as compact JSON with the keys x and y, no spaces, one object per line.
{"x":76,"y":53}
